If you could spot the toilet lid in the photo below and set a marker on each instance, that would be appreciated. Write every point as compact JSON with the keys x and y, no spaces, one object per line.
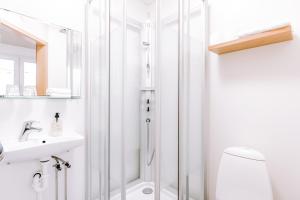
{"x":245,"y":152}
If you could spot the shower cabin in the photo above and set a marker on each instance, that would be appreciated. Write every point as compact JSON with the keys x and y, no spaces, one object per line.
{"x":145,"y":74}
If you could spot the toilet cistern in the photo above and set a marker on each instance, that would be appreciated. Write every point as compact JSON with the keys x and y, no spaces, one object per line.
{"x":27,"y":129}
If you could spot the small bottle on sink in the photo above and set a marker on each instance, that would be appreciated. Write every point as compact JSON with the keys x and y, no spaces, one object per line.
{"x":56,"y":126}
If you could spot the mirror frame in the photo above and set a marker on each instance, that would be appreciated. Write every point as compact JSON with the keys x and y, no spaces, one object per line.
{"x":42,"y":59}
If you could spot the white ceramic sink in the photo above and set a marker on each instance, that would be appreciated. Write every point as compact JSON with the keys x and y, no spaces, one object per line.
{"x":39,"y":147}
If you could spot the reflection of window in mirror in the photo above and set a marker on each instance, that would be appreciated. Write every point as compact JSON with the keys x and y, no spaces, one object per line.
{"x":7,"y":74}
{"x":29,"y":74}
{"x":22,"y":46}
{"x":18,"y":71}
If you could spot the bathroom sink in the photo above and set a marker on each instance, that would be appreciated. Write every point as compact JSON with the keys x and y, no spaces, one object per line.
{"x":39,"y":147}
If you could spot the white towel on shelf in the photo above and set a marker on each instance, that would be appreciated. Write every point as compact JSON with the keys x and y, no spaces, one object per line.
{"x":63,"y":96}
{"x":59,"y":92}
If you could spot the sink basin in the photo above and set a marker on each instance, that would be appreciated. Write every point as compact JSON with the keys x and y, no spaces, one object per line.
{"x":39,"y":148}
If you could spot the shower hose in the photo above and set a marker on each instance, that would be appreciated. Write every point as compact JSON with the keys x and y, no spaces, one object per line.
{"x":149,"y":162}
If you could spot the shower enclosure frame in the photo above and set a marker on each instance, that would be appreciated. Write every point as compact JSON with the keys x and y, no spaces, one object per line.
{"x":101,"y":101}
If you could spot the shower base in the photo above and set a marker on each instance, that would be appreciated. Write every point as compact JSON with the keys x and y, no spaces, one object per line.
{"x":135,"y":192}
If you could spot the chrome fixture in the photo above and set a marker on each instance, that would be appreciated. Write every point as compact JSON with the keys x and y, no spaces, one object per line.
{"x":149,"y":162}
{"x":65,"y":163}
{"x":146,"y":44}
{"x":57,"y":167}
{"x":1,"y":152}
{"x":27,"y":129}
{"x":147,"y":190}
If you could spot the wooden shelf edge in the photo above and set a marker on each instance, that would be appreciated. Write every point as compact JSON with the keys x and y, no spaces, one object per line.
{"x":256,"y":40}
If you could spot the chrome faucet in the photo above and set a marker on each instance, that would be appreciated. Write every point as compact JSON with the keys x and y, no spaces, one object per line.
{"x":27,"y":129}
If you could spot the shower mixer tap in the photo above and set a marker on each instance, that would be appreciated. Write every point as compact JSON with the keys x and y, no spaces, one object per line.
{"x":148,"y":105}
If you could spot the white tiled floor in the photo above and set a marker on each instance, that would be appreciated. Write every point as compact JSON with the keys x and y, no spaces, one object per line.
{"x":136,"y":193}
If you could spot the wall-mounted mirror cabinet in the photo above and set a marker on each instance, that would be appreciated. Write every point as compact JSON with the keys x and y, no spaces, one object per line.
{"x":38,"y":59}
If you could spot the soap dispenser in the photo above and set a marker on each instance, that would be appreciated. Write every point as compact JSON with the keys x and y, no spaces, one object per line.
{"x":56,"y":127}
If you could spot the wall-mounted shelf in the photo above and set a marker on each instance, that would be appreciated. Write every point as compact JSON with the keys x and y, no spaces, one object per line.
{"x":260,"y":39}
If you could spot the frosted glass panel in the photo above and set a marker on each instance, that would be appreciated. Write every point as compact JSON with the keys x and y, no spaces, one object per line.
{"x":168,"y":72}
{"x":132,"y":106}
{"x":6,"y":74}
{"x":116,"y":98}
{"x":194,"y":147}
{"x":193,"y":75}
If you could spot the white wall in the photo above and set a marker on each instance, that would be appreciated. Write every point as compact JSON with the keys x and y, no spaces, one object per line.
{"x":15,"y":182}
{"x":254,"y":97}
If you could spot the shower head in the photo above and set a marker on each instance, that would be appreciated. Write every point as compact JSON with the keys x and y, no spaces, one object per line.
{"x":146,"y":44}
{"x":63,"y":30}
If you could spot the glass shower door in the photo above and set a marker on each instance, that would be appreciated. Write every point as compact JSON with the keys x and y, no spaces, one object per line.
{"x":125,"y":98}
{"x":191,"y":96}
{"x":145,"y":73}
{"x":168,"y":86}
{"x":125,"y":64}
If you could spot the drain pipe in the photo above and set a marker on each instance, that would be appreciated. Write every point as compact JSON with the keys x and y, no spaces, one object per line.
{"x":40,"y":180}
{"x":66,"y":167}
{"x":57,"y":169}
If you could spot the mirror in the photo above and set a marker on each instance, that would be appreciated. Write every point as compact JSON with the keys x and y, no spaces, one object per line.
{"x":38,"y":59}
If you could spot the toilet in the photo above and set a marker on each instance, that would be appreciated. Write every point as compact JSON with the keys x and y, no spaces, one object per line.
{"x":243,"y":175}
